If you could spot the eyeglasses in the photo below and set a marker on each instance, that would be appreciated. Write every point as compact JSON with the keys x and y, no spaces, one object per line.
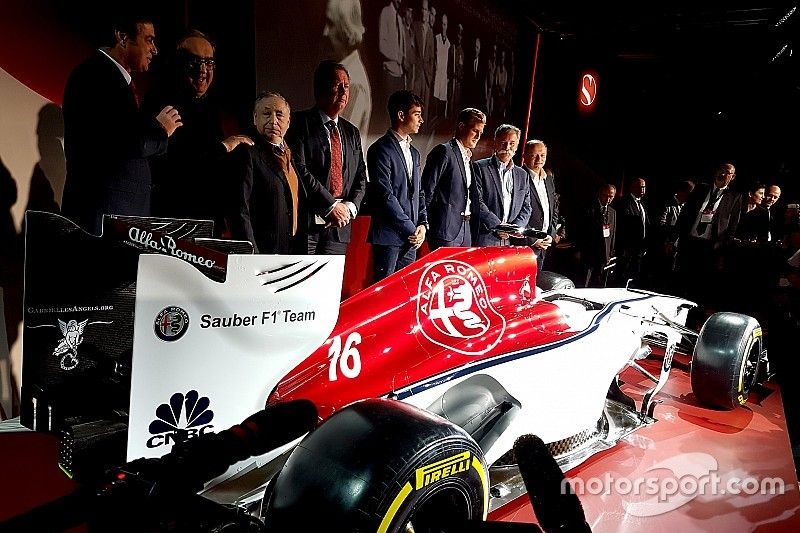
{"x":196,"y":63}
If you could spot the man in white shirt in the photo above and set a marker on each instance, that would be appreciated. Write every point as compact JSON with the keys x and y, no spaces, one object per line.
{"x":391,"y":43}
{"x":542,"y":191}
{"x":502,"y":188}
{"x":448,"y":184}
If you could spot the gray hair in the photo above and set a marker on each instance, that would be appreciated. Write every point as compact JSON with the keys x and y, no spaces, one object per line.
{"x":502,"y":129}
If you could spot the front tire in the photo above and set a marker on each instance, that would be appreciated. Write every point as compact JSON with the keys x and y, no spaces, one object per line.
{"x":381,"y":465}
{"x":725,"y":360}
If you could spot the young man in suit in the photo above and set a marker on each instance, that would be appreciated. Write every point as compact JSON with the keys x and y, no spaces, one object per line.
{"x":399,"y":219}
{"x":448,"y":183}
{"x":273,"y":194}
{"x":502,"y":189}
{"x":329,"y":148}
{"x":107,"y":167}
{"x":544,"y":211}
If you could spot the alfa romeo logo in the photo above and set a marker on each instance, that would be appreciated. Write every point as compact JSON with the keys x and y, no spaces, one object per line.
{"x":171,"y":323}
{"x":454,"y":309}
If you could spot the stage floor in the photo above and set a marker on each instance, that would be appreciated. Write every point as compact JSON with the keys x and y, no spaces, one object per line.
{"x":696,"y":469}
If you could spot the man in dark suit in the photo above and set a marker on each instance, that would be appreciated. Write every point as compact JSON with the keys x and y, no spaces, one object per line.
{"x":448,"y":182}
{"x":633,"y":230}
{"x":273,"y":195}
{"x":329,"y":148}
{"x":502,"y":189}
{"x":595,"y":238}
{"x":706,"y":225}
{"x":544,"y":210}
{"x":107,"y":167}
{"x":475,"y":77}
{"x":399,"y":219}
{"x":187,"y":180}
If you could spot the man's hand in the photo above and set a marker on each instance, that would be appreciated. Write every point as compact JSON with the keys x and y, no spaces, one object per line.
{"x":170,"y":120}
{"x":502,"y":235}
{"x":340,"y":216}
{"x":235,"y":140}
{"x":418,"y":237}
{"x":543,"y":244}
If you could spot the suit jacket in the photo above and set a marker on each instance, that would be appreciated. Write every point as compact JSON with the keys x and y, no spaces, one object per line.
{"x":308,"y":139}
{"x":668,"y":220}
{"x":444,"y":184}
{"x":397,"y":201}
{"x":106,"y":142}
{"x":536,"y":219}
{"x":263,"y":212}
{"x":631,"y":234}
{"x":490,"y":192}
{"x":596,"y":249}
{"x":725,"y":220}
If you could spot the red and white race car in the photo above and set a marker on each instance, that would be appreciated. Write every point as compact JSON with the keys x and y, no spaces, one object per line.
{"x":461,"y":353}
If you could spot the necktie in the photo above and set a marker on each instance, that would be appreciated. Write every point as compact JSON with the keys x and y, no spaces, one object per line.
{"x":136,"y":97}
{"x":712,"y":199}
{"x":285,"y":161}
{"x":336,"y":180}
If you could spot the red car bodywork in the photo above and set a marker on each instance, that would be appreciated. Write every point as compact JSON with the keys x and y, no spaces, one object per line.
{"x":456,"y":308}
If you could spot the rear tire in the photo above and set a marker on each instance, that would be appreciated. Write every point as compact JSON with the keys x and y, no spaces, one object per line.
{"x":725,"y":360}
{"x":550,"y":281}
{"x":379,"y":465}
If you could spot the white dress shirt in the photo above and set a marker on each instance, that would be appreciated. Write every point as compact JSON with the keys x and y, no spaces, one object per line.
{"x":541,"y":192}
{"x":466,"y":153}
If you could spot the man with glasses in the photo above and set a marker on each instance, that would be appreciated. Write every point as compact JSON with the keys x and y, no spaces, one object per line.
{"x":502,"y":189}
{"x":706,"y":225}
{"x":187,"y":179}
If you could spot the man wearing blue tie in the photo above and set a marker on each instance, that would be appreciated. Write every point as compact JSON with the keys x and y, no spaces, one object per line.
{"x":399,"y":219}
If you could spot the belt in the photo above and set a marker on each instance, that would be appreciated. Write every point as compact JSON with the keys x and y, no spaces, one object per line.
{"x":466,"y":217}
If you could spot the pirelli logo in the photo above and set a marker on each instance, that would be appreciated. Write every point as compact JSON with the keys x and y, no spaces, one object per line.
{"x":441,"y":469}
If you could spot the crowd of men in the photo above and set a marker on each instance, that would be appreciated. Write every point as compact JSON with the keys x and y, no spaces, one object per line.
{"x":296,"y":183}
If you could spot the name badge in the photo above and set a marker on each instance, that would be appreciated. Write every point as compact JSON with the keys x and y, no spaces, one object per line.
{"x":706,"y":216}
{"x":606,"y":230}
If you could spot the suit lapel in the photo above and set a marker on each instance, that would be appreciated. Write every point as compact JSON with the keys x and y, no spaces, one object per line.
{"x":460,"y":159}
{"x":317,"y":132}
{"x":495,"y":173}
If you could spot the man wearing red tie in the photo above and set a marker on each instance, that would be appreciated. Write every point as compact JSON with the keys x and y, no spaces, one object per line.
{"x":107,"y":160}
{"x":329,"y":148}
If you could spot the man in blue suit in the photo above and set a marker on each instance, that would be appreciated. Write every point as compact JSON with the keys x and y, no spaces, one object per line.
{"x":502,"y":188}
{"x":399,"y":218}
{"x":449,"y":186}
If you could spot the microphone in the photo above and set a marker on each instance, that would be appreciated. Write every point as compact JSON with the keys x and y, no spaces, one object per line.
{"x":193,"y":462}
{"x":555,"y":504}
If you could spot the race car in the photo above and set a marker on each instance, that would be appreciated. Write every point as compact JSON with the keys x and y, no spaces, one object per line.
{"x":422,"y":383}
{"x":466,"y":334}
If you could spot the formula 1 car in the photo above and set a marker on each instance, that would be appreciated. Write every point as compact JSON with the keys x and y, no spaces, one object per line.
{"x":461,"y":352}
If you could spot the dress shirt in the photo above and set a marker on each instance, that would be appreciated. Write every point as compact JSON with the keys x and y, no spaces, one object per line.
{"x":642,"y":215}
{"x":466,"y":153}
{"x":507,"y":185}
{"x":541,"y":191}
{"x":706,"y":234}
{"x":405,"y":146}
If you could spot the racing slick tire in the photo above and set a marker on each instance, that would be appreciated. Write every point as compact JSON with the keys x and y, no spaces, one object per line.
{"x":380,"y":465}
{"x":725,"y":360}
{"x":550,"y":281}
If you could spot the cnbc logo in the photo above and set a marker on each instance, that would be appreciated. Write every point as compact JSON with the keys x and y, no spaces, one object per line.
{"x":185,"y":416}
